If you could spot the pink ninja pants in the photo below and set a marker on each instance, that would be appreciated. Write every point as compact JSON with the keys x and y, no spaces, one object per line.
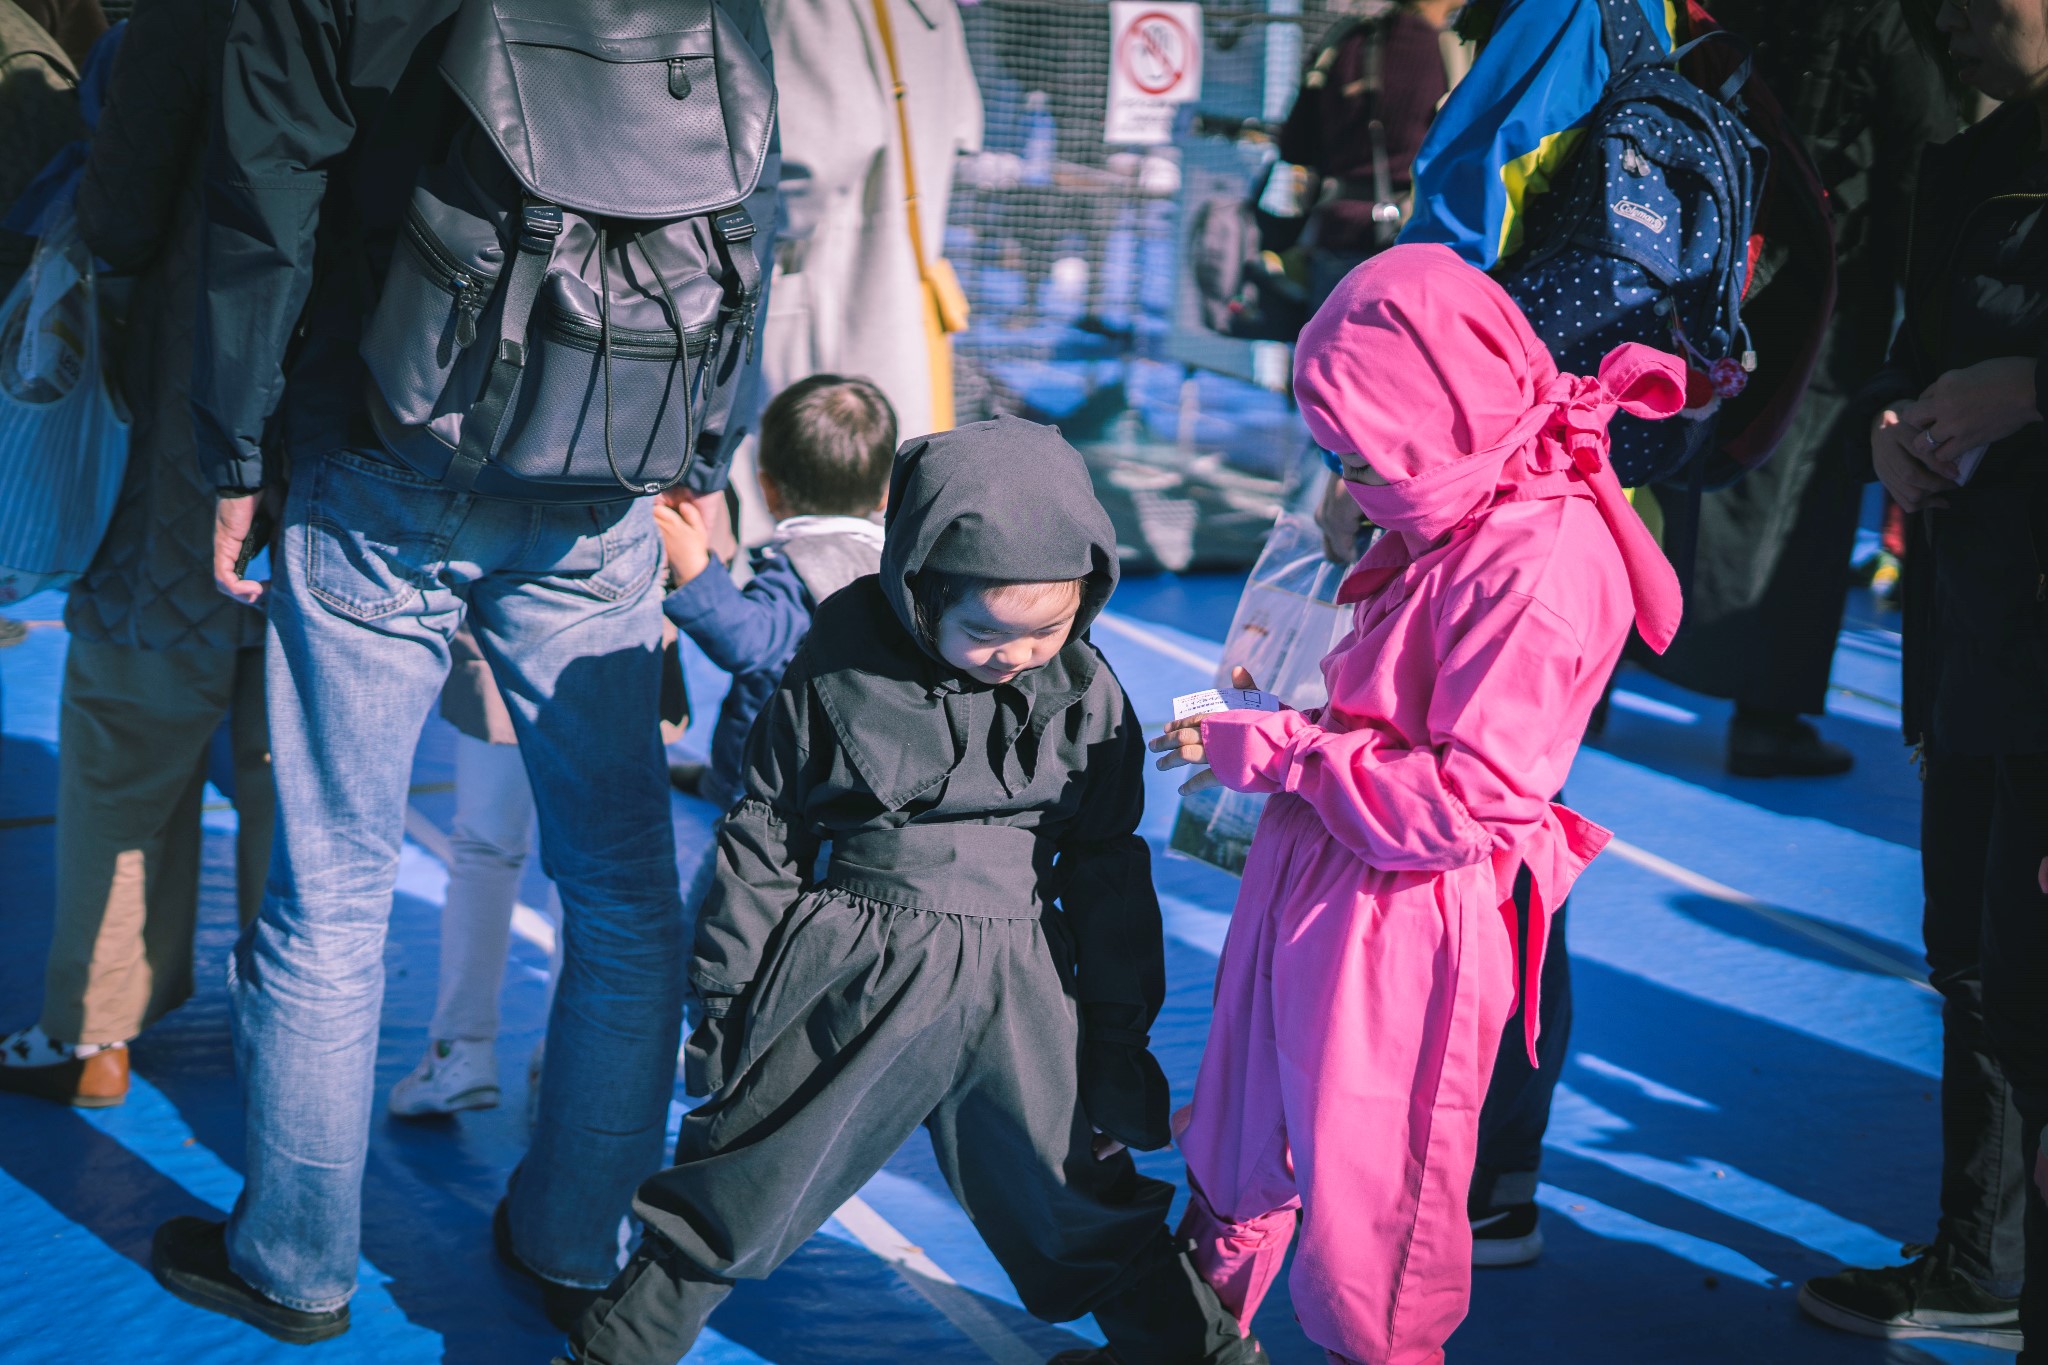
{"x":1352,"y":1043}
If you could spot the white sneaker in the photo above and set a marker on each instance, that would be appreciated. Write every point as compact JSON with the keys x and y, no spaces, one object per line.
{"x":453,"y":1076}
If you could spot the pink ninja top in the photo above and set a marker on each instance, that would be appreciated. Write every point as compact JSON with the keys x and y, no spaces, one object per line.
{"x":1490,"y":614}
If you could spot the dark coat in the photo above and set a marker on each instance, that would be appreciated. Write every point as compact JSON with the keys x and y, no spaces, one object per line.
{"x":870,"y":732}
{"x":1976,"y":611}
{"x":328,"y":111}
{"x":1768,"y":579}
{"x":1329,"y":129}
{"x":150,"y":586}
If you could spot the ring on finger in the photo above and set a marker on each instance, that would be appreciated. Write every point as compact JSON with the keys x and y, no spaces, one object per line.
{"x":1928,"y":436}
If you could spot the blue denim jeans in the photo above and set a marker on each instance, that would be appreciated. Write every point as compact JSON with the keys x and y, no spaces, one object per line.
{"x":375,"y":567}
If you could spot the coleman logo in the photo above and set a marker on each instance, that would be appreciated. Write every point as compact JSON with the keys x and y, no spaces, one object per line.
{"x":1634,"y":212}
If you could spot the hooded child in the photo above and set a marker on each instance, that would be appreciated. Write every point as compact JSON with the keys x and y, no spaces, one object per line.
{"x":1371,"y":963}
{"x":982,"y":954}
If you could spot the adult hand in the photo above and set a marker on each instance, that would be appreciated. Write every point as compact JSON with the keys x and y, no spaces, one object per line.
{"x":683,"y":539}
{"x":1182,"y":742}
{"x":234,"y":523}
{"x":1339,"y":519}
{"x":1900,"y":458}
{"x":1974,"y":406}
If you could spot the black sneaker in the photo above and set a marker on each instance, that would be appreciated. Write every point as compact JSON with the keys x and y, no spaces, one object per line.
{"x":1926,"y":1297}
{"x":189,"y":1257}
{"x":1506,"y":1235}
{"x":1767,"y":744}
{"x":563,"y":1303}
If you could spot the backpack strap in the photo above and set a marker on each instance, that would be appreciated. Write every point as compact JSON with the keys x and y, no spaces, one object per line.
{"x":540,"y":223}
{"x":733,"y":230}
{"x":1728,"y":91}
{"x":1317,"y":72}
{"x":1384,"y":228}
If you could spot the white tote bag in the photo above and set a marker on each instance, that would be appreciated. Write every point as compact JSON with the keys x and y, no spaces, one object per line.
{"x":63,"y":434}
{"x":1286,"y":621}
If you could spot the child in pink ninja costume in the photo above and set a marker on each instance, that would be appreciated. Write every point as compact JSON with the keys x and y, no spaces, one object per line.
{"x":1370,"y":967}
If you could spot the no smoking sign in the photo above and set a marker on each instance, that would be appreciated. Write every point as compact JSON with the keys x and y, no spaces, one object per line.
{"x":1155,"y":65}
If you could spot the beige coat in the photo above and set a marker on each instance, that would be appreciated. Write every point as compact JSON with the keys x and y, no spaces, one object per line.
{"x":38,"y":113}
{"x":845,"y":296}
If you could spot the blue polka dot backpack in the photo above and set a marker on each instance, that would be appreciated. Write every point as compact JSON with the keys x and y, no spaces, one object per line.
{"x":1655,"y":230}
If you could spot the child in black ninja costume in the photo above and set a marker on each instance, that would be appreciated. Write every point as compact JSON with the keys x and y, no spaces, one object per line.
{"x":982,"y":955}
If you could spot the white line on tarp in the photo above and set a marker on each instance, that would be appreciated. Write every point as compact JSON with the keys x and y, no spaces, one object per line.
{"x":1153,"y":640}
{"x":1798,"y":924}
{"x":956,"y":1303}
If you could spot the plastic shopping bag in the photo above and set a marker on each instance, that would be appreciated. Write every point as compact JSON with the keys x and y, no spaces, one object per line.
{"x":63,"y":437}
{"x":1287,"y":620}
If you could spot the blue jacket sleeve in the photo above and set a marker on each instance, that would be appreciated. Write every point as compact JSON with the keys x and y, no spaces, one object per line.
{"x":743,"y":631}
{"x":751,"y":634}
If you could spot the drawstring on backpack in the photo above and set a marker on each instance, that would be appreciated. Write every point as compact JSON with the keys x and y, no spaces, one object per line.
{"x":604,"y":353}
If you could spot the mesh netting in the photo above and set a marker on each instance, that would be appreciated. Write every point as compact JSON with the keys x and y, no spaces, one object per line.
{"x":1072,"y":253}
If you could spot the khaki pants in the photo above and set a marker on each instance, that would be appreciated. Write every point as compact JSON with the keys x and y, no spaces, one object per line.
{"x":131,"y":766}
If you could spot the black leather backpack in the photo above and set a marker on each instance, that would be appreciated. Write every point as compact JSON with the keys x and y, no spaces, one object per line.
{"x":576,"y":290}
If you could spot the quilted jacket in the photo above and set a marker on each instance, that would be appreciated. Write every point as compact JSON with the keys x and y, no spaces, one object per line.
{"x":151,"y":585}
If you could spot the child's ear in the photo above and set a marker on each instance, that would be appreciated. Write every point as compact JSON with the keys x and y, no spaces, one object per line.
{"x":771,"y":493}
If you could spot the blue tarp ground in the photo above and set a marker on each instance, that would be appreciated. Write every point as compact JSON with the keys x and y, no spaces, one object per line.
{"x":1750,"y":1098}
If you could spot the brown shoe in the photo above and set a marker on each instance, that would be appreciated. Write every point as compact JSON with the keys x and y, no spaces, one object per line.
{"x":96,"y":1082}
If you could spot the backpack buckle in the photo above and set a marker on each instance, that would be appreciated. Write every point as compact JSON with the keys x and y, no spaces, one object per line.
{"x":539,"y":224}
{"x":734,"y":225}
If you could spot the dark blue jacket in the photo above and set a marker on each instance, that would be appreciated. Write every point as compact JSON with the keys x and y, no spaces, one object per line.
{"x":751,"y":633}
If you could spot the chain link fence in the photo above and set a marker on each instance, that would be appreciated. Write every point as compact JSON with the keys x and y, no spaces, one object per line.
{"x":1073,"y":254}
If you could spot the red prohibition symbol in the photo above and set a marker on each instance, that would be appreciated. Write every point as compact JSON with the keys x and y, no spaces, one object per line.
{"x":1155,"y":52}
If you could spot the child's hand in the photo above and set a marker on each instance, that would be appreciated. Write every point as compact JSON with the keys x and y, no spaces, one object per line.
{"x":1182,"y":742}
{"x":1106,"y":1146}
{"x":1182,"y":745}
{"x":683,"y":537}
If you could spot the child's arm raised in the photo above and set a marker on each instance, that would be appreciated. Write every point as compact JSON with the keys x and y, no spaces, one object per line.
{"x":1110,"y":908}
{"x":1509,"y":676}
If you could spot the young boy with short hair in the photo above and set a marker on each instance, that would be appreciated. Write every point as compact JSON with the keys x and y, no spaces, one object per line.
{"x":826,"y":447}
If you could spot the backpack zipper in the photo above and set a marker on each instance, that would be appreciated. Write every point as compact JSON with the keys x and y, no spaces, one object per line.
{"x":471,"y":291}
{"x":471,"y":288}
{"x":627,"y":343}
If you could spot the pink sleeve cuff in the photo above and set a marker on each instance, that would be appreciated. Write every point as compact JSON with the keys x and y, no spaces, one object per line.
{"x":1248,"y":750}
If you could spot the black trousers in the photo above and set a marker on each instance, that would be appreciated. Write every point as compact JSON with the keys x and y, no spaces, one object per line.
{"x":1984,"y":832}
{"x":869,"y":1023}
{"x":1517,"y":1109}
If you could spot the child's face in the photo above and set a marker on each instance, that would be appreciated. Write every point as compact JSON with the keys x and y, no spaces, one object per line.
{"x":1356,"y":470}
{"x":1001,"y":634}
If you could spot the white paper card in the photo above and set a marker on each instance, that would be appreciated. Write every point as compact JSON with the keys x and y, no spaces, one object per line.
{"x":1224,"y":699}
